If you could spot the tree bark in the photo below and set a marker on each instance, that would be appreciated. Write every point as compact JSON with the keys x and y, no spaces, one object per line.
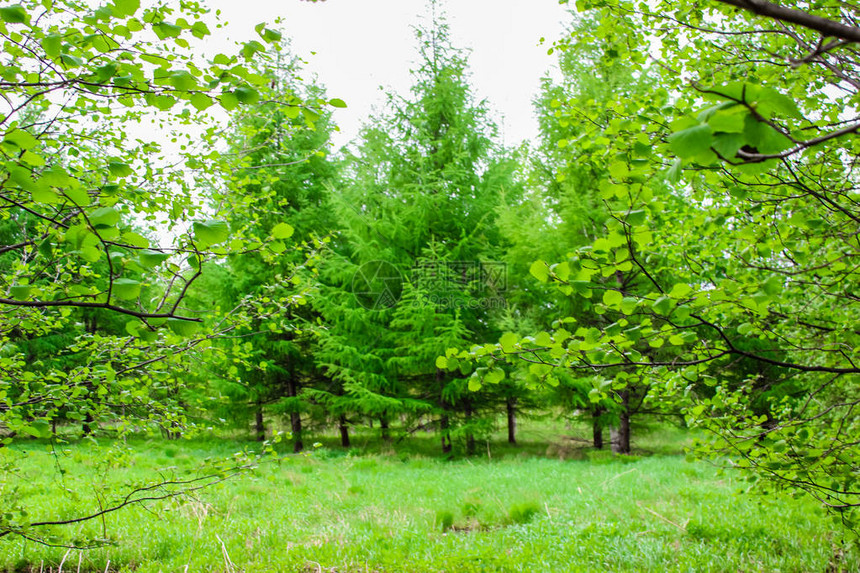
{"x":344,"y":431}
{"x":88,"y":427}
{"x":620,"y":435}
{"x":511,"y":404}
{"x":383,"y":428}
{"x":805,"y":19}
{"x":444,"y":424}
{"x":295,"y":416}
{"x":470,"y":436}
{"x":259,"y":424}
{"x":597,"y":429}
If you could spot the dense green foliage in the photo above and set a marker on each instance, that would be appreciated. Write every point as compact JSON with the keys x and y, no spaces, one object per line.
{"x":681,"y":242}
{"x":728,"y":264}
{"x":425,"y":183}
{"x":107,"y":226}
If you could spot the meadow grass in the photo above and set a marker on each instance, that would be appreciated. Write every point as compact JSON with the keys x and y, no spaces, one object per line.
{"x":522,"y":508}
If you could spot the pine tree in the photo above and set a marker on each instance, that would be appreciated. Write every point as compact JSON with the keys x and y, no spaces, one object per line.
{"x":285,"y":174}
{"x":419,"y":215}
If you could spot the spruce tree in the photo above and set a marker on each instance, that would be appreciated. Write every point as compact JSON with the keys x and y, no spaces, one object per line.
{"x":285,"y":173}
{"x":420,"y":233}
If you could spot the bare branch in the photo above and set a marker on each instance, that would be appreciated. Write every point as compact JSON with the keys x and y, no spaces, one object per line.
{"x":804,"y":19}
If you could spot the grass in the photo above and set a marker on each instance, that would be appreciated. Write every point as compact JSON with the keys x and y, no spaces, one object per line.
{"x":528,"y":508}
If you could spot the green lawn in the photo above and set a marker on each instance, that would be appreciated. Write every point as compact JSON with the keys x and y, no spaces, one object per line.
{"x":401,"y":511}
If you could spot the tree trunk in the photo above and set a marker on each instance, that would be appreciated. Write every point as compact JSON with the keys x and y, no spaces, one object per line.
{"x":295,"y":416}
{"x":470,"y":436}
{"x":88,"y":428}
{"x":511,"y":404}
{"x":383,"y":428}
{"x":597,"y":429}
{"x":444,"y":422}
{"x":446,"y":436}
{"x":620,"y":436}
{"x":344,"y":431}
{"x":296,"y":429}
{"x":259,"y":425}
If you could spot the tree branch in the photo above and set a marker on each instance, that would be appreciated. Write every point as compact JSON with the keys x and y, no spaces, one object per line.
{"x":104,"y":305}
{"x":804,"y":19}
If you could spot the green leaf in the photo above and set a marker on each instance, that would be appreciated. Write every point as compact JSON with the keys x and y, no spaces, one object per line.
{"x":51,"y":44}
{"x":119,"y":169}
{"x":612,"y":298}
{"x":764,"y":138}
{"x":126,"y":289}
{"x":32,"y":159}
{"x":247,"y":95}
{"x":21,"y":139}
{"x":773,"y":285}
{"x":662,"y":306}
{"x":691,"y":142}
{"x":182,"y":327}
{"x":150,"y":259}
{"x":269,"y":35}
{"x":335,"y":102}
{"x":182,"y":80}
{"x":20,"y":292}
{"x":494,"y":376}
{"x":282,"y":231}
{"x":561,"y":271}
{"x":211,"y":232}
{"x":728,"y":144}
{"x":134,"y":239}
{"x":38,"y":429}
{"x":543,"y":339}
{"x":71,"y":61}
{"x":474,"y":382}
{"x":730,"y":120}
{"x":228,"y":101}
{"x":637,"y":218}
{"x":540,"y":271}
{"x":251,"y":48}
{"x":200,"y":30}
{"x":201,"y":101}
{"x":105,"y":72}
{"x":745,"y":328}
{"x":770,"y":102}
{"x":160,"y":101}
{"x":15,"y":14}
{"x":125,"y":8}
{"x":166,"y":30}
{"x":673,"y":174}
{"x":680,"y":290}
{"x":104,"y":217}
{"x":90,"y":253}
{"x":441,"y":363}
{"x":508,"y":341}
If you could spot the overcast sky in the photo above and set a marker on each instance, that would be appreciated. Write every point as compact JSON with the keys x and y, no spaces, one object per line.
{"x":356,"y":46}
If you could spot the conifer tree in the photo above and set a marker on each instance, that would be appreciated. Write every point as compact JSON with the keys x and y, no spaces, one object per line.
{"x":419,"y":231}
{"x":566,"y":211}
{"x":285,"y":173}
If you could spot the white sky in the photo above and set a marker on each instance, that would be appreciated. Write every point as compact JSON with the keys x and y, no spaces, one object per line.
{"x":356,"y":46}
